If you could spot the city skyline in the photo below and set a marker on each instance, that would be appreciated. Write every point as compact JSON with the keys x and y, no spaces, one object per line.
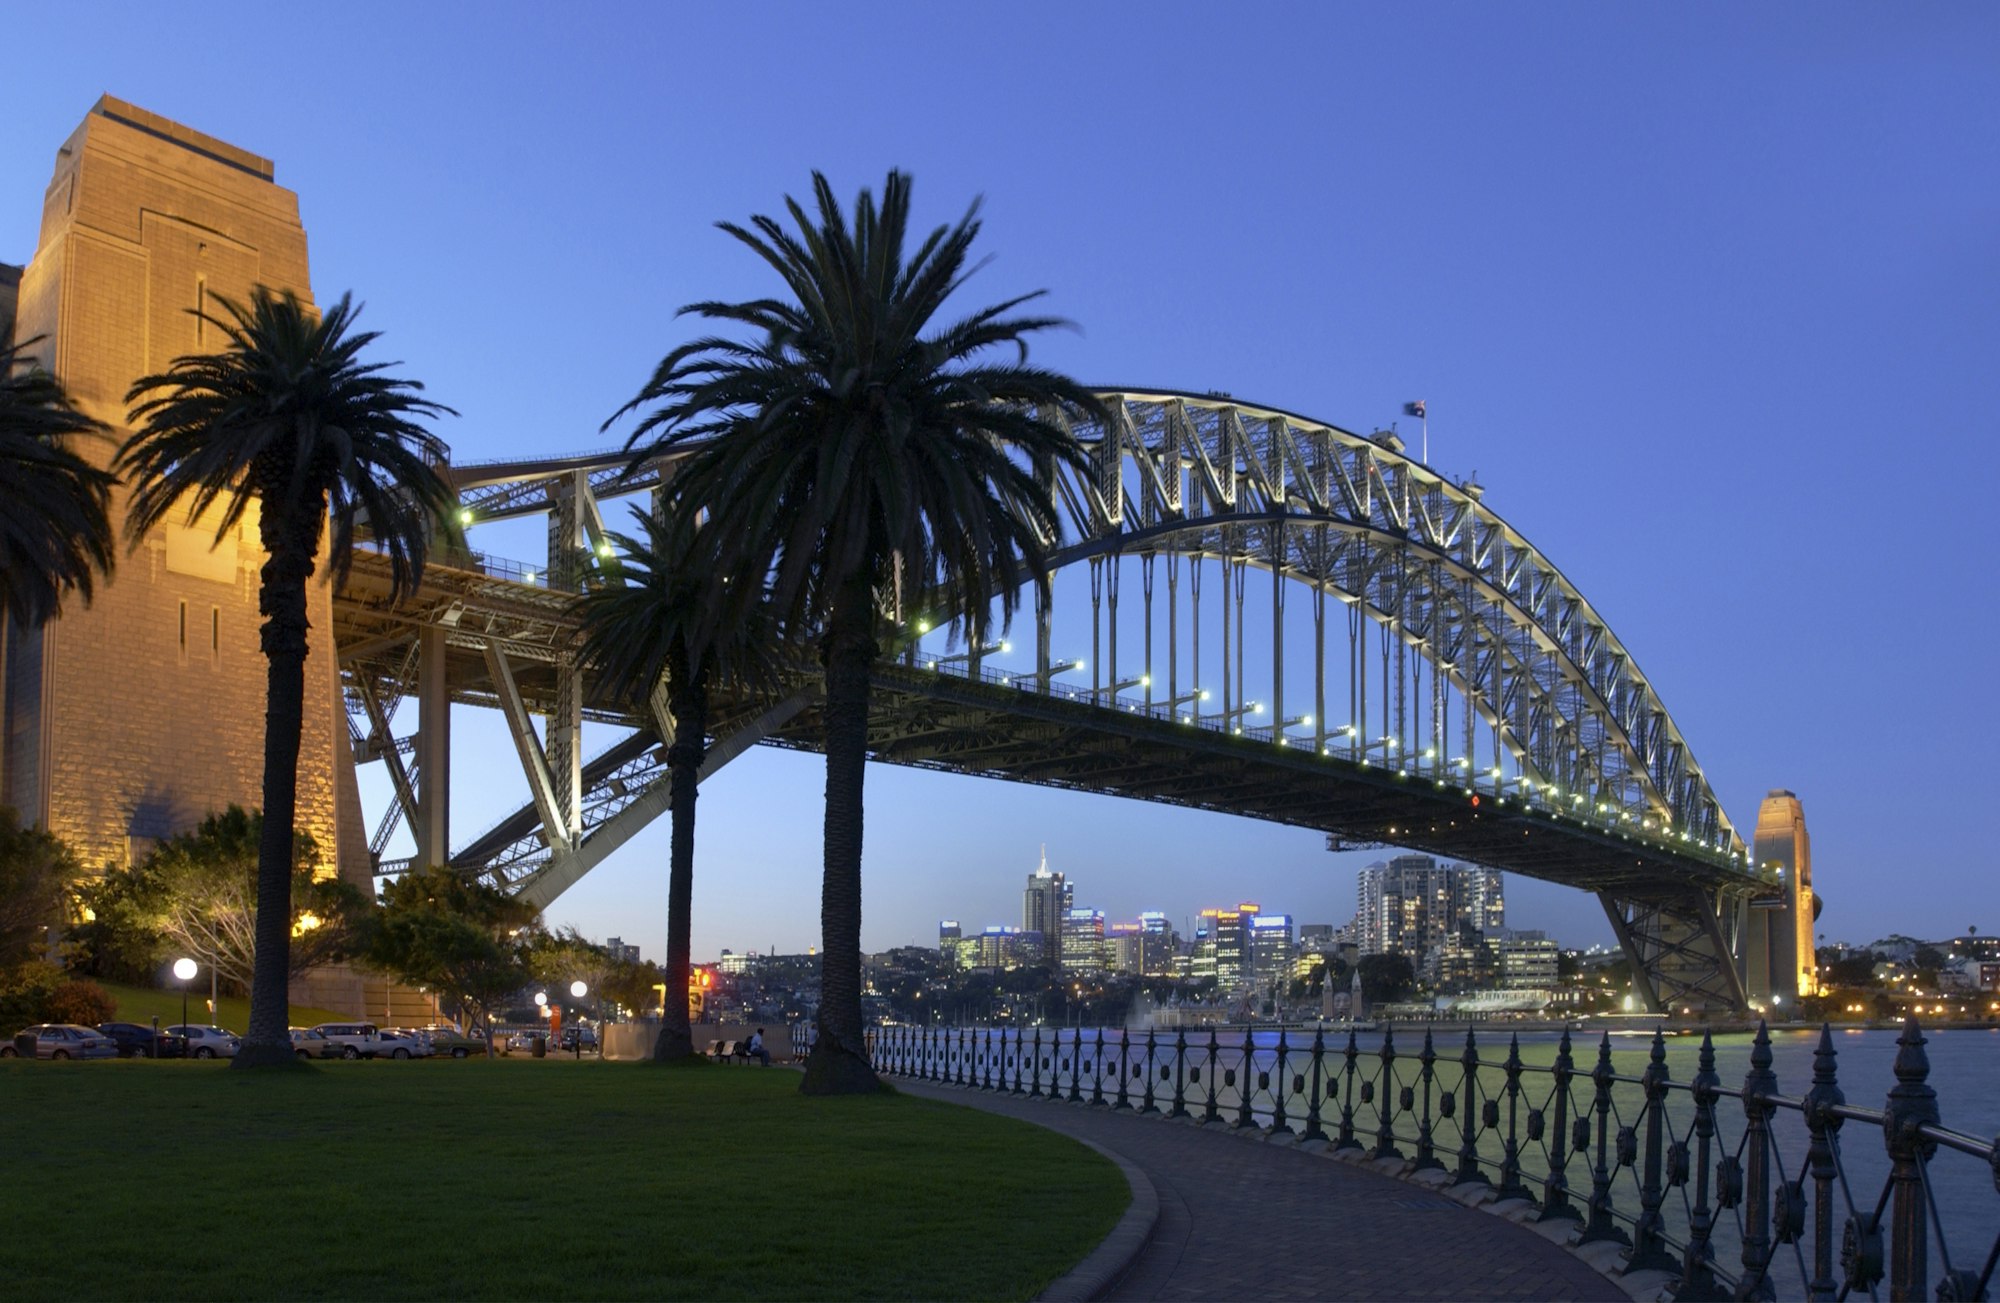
{"x":1634,"y":309}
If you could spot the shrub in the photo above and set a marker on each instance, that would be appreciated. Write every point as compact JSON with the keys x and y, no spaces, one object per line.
{"x":25,"y":992}
{"x":80,"y":1000}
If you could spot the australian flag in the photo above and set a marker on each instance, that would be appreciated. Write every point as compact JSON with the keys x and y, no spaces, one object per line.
{"x":1415,"y":409}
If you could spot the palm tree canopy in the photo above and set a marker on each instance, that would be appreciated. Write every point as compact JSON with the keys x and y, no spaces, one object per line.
{"x":288,"y":414}
{"x":651,"y":618}
{"x":845,"y":431}
{"x":55,"y":522}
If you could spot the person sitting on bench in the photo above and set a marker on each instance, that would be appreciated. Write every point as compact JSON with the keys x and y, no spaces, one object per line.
{"x":755,"y":1049}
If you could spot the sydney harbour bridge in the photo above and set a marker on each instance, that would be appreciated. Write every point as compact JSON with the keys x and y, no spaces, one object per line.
{"x":1423,"y":677}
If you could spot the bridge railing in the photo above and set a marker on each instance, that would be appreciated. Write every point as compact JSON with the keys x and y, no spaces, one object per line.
{"x":1502,"y":789}
{"x":1741,"y":1192}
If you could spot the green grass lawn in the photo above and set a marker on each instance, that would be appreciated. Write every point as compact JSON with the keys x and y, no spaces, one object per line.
{"x":138,"y":1004}
{"x":524,"y":1179}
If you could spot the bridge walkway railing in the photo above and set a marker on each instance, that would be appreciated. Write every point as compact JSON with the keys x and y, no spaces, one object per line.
{"x":1736,"y":1192}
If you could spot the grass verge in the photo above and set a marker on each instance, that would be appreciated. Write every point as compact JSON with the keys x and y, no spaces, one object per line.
{"x":535,"y":1179}
{"x":139,"y":1004}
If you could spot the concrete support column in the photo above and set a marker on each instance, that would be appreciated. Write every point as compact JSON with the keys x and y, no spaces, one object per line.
{"x":433,"y":826}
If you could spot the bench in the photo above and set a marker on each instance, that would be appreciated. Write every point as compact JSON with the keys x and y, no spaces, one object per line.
{"x":729,"y":1051}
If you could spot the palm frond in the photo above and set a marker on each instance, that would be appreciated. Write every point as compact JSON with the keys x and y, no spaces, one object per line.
{"x":55,"y":523}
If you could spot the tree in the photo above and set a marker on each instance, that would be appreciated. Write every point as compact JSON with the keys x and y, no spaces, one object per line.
{"x":37,"y":874}
{"x":460,"y":937}
{"x":850,"y":448}
{"x":197,"y":894}
{"x":55,"y":523}
{"x":645,"y":630}
{"x":289,"y":417}
{"x":1386,"y":978}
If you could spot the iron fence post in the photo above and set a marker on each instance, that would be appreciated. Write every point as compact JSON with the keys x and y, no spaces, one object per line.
{"x":1124,"y":1048}
{"x":1426,"y":1076}
{"x":1385,"y":1103}
{"x":1349,"y":1055}
{"x":1314,"y":1101}
{"x":994,"y":1079}
{"x":1758,"y":1085}
{"x":1179,"y":1110}
{"x":1097,"y":1070}
{"x":1035,"y":1067}
{"x":1823,"y":1124}
{"x":1243,"y":1116}
{"x":1076,"y":1066}
{"x":1012,"y":1050}
{"x":1697,"y":1280}
{"x":1280,"y":1125}
{"x":1511,"y":1186}
{"x":1602,"y":1225}
{"x":1146,"y":1102}
{"x":1649,"y":1248}
{"x":1209,"y":1112}
{"x":1912,"y":1106}
{"x":1468,"y":1113}
{"x":1555,"y":1189}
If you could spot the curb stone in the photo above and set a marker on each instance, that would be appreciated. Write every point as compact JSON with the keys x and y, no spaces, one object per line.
{"x":1106,"y":1264}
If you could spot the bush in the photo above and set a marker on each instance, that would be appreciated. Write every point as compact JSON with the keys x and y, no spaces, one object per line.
{"x":80,"y":1000}
{"x":25,"y":993}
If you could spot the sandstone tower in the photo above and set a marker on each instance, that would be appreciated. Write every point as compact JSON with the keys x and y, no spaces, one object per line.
{"x":133,"y":718}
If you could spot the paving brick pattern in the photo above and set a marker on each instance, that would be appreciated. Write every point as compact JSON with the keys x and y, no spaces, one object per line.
{"x":1240,"y":1219}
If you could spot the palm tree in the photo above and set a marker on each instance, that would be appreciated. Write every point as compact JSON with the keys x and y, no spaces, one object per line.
{"x":287,"y":416}
{"x":847,"y":438}
{"x":55,"y":521}
{"x":646,"y":628}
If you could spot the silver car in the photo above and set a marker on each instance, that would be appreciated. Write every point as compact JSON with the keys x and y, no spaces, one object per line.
{"x":310,"y":1044}
{"x":208,"y":1042}
{"x":62,"y":1040}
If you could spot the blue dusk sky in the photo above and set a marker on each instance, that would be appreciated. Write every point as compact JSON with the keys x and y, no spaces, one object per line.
{"x":1708,"y":295}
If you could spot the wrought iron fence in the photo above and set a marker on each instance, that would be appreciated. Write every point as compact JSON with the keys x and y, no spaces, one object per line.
{"x":1740,"y":1192}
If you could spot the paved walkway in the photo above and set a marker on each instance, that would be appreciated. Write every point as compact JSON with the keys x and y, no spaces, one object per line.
{"x":1240,"y":1219}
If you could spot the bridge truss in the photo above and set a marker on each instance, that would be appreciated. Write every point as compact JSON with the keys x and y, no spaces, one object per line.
{"x":1486,"y":712}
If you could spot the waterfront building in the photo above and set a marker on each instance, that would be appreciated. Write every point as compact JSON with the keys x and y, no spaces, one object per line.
{"x":1526,"y":961}
{"x":1083,"y":941}
{"x":1433,"y":913}
{"x":1124,"y":948}
{"x":1046,"y":902}
{"x":999,"y":947}
{"x":734,"y":964}
{"x":952,"y":943}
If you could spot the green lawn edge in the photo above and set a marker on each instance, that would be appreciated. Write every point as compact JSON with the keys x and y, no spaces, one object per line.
{"x":527,"y":1178}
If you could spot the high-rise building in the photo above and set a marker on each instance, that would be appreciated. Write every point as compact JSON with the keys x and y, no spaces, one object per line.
{"x":1231,"y":931}
{"x":1479,"y":899}
{"x":1159,"y":944}
{"x":1270,"y":942}
{"x":1083,"y":941}
{"x":1046,"y":902}
{"x":951,"y":943}
{"x":1001,"y":947}
{"x":1124,"y":948}
{"x":620,"y":951}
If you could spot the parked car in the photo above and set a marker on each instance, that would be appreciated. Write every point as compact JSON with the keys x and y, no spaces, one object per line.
{"x":312,"y":1044}
{"x":572,"y":1035}
{"x":446,"y":1039}
{"x":62,"y":1040}
{"x":208,"y":1042}
{"x":401,"y":1043}
{"x":357,"y":1040}
{"x":141,"y":1041}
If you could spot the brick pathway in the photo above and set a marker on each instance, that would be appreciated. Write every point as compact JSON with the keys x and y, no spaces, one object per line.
{"x":1239,"y":1219}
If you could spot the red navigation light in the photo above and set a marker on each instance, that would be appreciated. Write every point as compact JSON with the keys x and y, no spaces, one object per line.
{"x":1475,"y":800}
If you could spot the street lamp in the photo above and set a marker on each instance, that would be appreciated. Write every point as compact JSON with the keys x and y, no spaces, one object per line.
{"x":184,"y":969}
{"x":577,"y":990}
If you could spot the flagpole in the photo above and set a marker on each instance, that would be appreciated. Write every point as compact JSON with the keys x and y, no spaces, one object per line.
{"x":1426,"y":419}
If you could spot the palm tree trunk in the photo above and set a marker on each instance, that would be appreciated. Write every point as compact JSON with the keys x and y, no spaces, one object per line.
{"x":688,"y":702}
{"x":838,"y":1064}
{"x":282,"y":600}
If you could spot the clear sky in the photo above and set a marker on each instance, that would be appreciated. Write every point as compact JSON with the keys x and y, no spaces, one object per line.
{"x":1709,"y":295}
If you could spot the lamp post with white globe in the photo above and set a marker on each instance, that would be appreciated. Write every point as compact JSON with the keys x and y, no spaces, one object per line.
{"x":185,"y":970}
{"x":542,"y":1006}
{"x":578,"y":989}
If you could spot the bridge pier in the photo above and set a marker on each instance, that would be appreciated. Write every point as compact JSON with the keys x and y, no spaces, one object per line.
{"x":1680,"y":951}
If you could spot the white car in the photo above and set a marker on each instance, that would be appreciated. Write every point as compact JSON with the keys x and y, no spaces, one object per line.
{"x":357,"y":1040}
{"x":400,"y":1044}
{"x":207,"y":1042}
